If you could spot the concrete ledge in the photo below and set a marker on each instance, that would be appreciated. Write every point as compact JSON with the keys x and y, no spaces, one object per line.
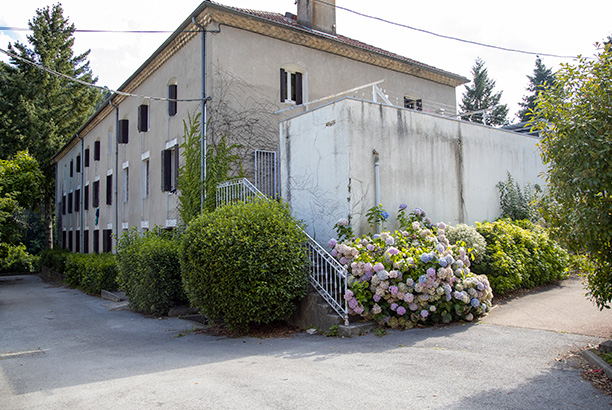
{"x":113,"y":296}
{"x":595,"y":360}
{"x":356,"y":329}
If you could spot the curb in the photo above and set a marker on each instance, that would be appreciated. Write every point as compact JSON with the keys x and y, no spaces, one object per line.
{"x":595,"y":360}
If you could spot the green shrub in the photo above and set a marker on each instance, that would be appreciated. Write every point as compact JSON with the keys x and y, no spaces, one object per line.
{"x":245,"y":263}
{"x":149,"y":271}
{"x":474,"y":242}
{"x":54,"y":259}
{"x":91,"y":273}
{"x":518,"y":204}
{"x":15,"y":259}
{"x":520,"y":254}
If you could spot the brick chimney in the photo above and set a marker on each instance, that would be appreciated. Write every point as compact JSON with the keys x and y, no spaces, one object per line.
{"x":318,"y":15}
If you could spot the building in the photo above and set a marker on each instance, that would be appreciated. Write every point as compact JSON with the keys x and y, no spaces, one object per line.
{"x":246,"y":72}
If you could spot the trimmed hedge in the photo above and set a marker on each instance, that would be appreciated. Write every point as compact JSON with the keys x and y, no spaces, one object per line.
{"x":245,"y":263}
{"x":520,"y":254}
{"x":54,"y":259}
{"x":15,"y":259}
{"x":91,"y":273}
{"x":149,"y":271}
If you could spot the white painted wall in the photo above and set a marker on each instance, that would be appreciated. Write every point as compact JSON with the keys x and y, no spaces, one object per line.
{"x":447,"y":167}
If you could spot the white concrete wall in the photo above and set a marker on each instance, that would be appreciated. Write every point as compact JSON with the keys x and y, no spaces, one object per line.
{"x":447,"y":167}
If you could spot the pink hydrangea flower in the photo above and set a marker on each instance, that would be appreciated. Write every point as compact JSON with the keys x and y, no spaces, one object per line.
{"x":401,"y":311}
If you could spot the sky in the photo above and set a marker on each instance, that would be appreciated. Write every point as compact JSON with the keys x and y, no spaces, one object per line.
{"x":536,"y":26}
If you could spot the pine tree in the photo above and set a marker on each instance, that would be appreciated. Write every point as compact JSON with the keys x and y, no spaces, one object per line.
{"x":479,"y":96}
{"x":40,"y":111}
{"x":542,"y":77}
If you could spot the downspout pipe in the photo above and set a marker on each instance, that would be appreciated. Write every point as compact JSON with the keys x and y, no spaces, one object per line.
{"x":116,"y":172}
{"x":82,"y":191}
{"x":376,"y":184}
{"x":204,"y":115}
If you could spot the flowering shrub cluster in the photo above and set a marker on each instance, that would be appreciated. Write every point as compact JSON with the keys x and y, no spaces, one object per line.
{"x":411,"y":276}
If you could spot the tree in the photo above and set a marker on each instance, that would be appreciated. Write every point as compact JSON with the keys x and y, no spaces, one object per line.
{"x":480,"y":97}
{"x":576,"y":118}
{"x":39,"y":110}
{"x":542,"y":76}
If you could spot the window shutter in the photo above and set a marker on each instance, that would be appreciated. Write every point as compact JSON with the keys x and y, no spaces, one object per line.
{"x":86,"y":159}
{"x":71,"y":168}
{"x":123,"y":131}
{"x":77,"y":199}
{"x":176,"y":165}
{"x":173,"y":95}
{"x":166,"y":170}
{"x":64,"y":205}
{"x":298,"y":89}
{"x":143,"y":118}
{"x":78,"y":163}
{"x":70,"y":203}
{"x":86,"y":197}
{"x":109,"y":190}
{"x":283,"y":84}
{"x":97,"y":150}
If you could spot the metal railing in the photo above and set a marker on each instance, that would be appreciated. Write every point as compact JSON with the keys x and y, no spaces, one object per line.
{"x":326,"y":274}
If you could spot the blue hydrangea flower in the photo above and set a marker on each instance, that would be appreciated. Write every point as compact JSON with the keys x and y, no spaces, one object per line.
{"x":475,"y":302}
{"x":403,"y":206}
{"x":385,"y":214}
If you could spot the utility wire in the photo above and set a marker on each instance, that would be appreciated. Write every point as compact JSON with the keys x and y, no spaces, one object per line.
{"x":78,"y":81}
{"x":513,"y":50}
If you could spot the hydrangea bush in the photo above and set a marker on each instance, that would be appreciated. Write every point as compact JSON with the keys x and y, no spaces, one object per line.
{"x":411,"y":276}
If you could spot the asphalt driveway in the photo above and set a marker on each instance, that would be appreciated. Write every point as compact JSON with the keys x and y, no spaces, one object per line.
{"x":61,"y":349}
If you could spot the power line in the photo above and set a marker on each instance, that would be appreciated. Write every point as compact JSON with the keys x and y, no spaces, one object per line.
{"x":513,"y":50}
{"x":5,"y":28}
{"x":85,"y":83}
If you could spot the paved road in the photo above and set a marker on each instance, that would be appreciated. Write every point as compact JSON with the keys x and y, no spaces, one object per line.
{"x":62,"y":349}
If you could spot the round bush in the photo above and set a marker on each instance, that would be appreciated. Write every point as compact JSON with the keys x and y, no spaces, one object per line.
{"x":474,"y":242}
{"x":245,"y":263}
{"x":149,"y":271}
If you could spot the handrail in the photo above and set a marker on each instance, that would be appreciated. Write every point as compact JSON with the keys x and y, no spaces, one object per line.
{"x":327,"y":275}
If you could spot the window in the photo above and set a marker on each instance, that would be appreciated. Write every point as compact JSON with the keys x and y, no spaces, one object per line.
{"x":86,"y":241}
{"x":107,"y":241}
{"x":413,"y":104}
{"x":64,"y":205}
{"x":70,"y":203}
{"x":144,"y":178}
{"x":97,"y":150}
{"x":86,"y":159}
{"x":64,"y":242}
{"x":125,"y":184}
{"x":143,"y":118}
{"x":96,"y":241}
{"x":123,"y":131}
{"x":78,"y":163}
{"x":109,"y":189}
{"x":172,"y":95}
{"x":71,"y":168}
{"x":77,"y":241}
{"x":70,"y":241}
{"x":291,"y":86}
{"x":170,"y":160}
{"x":95,"y":200}
{"x":77,"y":200}
{"x":86,"y":197}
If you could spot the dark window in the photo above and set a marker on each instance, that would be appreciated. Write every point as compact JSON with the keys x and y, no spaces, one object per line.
{"x":77,"y":241}
{"x":97,"y":150}
{"x":109,"y":190}
{"x":413,"y":104}
{"x":107,"y":241}
{"x":70,"y":241}
{"x":86,"y":197}
{"x":64,"y":243}
{"x":64,"y":205}
{"x":71,"y":168}
{"x":123,"y":132}
{"x":143,"y":118}
{"x":172,"y":95}
{"x":86,"y":241}
{"x":96,"y":241}
{"x":170,"y":160}
{"x":291,"y":87}
{"x":78,"y":163}
{"x":86,"y":157}
{"x":95,"y":200}
{"x":70,"y":203}
{"x":77,"y":199}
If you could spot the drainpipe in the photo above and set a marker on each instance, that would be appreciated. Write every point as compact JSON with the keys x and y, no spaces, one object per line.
{"x":116,"y":172}
{"x":204,"y":115}
{"x":376,"y":184}
{"x":82,"y":192}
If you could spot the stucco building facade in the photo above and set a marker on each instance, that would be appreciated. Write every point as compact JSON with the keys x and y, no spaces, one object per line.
{"x":120,"y":170}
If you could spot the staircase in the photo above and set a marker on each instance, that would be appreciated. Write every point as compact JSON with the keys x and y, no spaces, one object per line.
{"x":325,"y":302}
